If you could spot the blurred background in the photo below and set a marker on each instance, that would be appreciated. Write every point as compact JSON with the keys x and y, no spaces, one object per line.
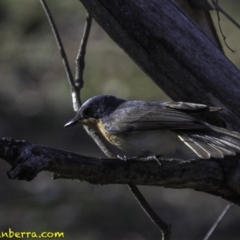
{"x":35,"y":103}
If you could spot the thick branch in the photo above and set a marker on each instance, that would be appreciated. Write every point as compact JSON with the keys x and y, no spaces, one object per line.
{"x":173,"y":51}
{"x":199,"y":12}
{"x":220,"y":178}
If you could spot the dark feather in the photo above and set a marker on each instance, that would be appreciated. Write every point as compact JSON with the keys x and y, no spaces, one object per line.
{"x":145,"y":117}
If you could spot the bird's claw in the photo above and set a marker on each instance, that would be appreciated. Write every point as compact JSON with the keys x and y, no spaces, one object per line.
{"x":123,"y":158}
{"x":155,"y":158}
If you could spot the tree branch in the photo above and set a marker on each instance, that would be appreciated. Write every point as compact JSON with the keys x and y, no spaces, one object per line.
{"x":199,"y":12}
{"x":219,"y":219}
{"x":60,"y":45}
{"x":80,"y":59}
{"x":219,"y":178}
{"x":218,"y":9}
{"x":165,"y":228}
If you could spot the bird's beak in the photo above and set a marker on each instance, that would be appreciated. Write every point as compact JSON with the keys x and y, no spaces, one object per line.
{"x":71,"y":123}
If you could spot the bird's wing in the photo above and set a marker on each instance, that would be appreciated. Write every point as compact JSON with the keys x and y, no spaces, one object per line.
{"x":141,"y":117}
{"x":191,"y":107}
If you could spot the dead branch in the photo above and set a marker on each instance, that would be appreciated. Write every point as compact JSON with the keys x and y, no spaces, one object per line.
{"x":219,"y":219}
{"x":219,"y":178}
{"x":218,"y":9}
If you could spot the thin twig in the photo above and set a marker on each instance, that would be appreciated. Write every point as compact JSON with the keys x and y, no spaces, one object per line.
{"x":165,"y":228}
{"x":219,"y":9}
{"x":80,"y":62}
{"x":59,"y":43}
{"x":76,"y":87}
{"x":80,"y":65}
{"x":219,"y":219}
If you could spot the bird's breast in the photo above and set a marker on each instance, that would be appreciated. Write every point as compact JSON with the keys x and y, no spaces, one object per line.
{"x":153,"y":142}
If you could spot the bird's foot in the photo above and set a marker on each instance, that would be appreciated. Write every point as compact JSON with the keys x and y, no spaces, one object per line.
{"x":138,"y":157}
{"x":123,"y":158}
{"x":154,"y":158}
{"x":190,"y":160}
{"x":159,"y":159}
{"x":146,"y":158}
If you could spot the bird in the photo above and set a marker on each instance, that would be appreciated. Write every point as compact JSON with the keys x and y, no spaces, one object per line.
{"x":154,"y":128}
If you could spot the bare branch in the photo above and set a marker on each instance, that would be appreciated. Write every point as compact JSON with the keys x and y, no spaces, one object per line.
{"x":59,"y":44}
{"x":80,"y":63}
{"x":219,"y":219}
{"x":219,"y":9}
{"x":209,"y":176}
{"x":166,"y":229}
{"x":79,"y":82}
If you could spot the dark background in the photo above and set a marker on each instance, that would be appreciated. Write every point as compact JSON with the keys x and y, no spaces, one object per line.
{"x":35,"y":103}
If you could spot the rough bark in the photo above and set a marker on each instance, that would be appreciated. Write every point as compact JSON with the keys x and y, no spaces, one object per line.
{"x":219,"y":178}
{"x":199,"y":12}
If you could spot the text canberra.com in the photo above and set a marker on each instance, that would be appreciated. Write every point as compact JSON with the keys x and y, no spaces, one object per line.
{"x":12,"y":234}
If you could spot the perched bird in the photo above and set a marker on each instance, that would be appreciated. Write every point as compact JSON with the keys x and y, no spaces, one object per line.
{"x":148,"y":128}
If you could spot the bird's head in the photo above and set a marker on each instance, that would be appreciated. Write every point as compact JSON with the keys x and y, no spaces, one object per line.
{"x":94,"y":109}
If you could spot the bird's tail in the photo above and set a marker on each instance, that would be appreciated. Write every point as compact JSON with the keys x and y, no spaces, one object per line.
{"x":213,"y":142}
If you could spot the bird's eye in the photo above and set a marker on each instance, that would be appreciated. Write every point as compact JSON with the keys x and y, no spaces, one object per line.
{"x":86,"y":113}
